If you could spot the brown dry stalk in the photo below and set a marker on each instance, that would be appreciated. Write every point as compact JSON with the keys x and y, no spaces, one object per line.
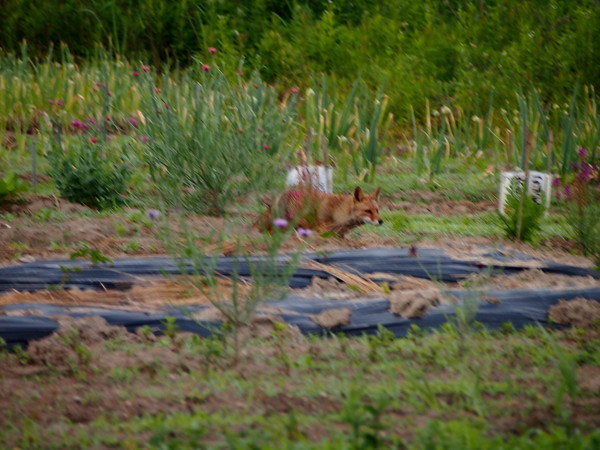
{"x":364,"y":285}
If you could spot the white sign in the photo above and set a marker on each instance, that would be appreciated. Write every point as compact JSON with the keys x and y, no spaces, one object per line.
{"x":539,"y":185}
{"x":320,"y":177}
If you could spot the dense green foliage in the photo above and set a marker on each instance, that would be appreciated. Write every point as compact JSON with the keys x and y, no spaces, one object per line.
{"x":89,"y":173}
{"x":425,"y":49}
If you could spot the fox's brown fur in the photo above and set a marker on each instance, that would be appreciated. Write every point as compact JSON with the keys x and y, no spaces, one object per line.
{"x":306,"y":207}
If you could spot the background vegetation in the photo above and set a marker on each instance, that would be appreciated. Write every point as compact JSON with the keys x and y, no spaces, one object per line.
{"x":423,"y":49}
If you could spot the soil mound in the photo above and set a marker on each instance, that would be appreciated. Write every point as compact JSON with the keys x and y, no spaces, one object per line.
{"x":579,"y":312}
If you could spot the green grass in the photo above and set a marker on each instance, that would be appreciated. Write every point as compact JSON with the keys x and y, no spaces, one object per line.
{"x":445,"y":389}
{"x":413,"y":226}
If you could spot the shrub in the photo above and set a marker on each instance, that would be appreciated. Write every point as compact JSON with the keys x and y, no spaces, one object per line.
{"x":216,"y":144}
{"x":92,"y":174}
{"x":10,"y":185}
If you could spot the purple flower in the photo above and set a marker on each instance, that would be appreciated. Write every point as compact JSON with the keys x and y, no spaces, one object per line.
{"x":567,"y":191}
{"x":153,"y":214}
{"x":280,"y":222}
{"x":101,"y":85}
{"x":212,"y":50}
{"x":412,"y":251}
{"x":304,"y":232}
{"x":133,"y":121}
{"x":582,"y":152}
{"x":91,"y":120}
{"x":585,"y":174}
{"x":144,"y":139}
{"x":556,"y":181}
{"x":59,"y":102}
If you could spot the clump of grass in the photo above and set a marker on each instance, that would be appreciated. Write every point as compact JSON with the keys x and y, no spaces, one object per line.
{"x":522,"y":216}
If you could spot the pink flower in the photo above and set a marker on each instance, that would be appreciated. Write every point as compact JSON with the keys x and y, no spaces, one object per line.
{"x":146,"y":68}
{"x":144,"y":139}
{"x":93,"y":140}
{"x":136,"y":73}
{"x":582,"y":152}
{"x":212,"y":50}
{"x":266,"y":147}
{"x":79,"y":125}
{"x":205,"y":67}
{"x":133,"y":121}
{"x":280,"y":222}
{"x":60,"y":103}
{"x":91,"y":120}
{"x":101,"y":85}
{"x":157,"y":90}
{"x":166,"y":106}
{"x":51,"y":102}
{"x":294,"y":91}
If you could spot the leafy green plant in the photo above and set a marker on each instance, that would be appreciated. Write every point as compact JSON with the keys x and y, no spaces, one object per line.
{"x":90,"y":173}
{"x":365,"y":419}
{"x":95,"y":255}
{"x":10,"y":185}
{"x":522,"y":218}
{"x":82,"y":354}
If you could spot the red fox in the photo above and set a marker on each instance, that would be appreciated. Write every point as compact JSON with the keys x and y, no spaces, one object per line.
{"x":309,"y":208}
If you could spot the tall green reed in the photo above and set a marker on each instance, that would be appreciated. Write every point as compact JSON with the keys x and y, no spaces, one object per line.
{"x":355,"y":126}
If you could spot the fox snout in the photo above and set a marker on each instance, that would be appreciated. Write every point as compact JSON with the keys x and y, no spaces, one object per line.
{"x":370,"y":221}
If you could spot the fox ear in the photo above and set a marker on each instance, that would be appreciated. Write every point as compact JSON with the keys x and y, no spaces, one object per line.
{"x":376,"y":193}
{"x":359,"y":195}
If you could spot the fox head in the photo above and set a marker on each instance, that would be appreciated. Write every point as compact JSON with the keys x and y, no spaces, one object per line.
{"x":366,"y":206}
